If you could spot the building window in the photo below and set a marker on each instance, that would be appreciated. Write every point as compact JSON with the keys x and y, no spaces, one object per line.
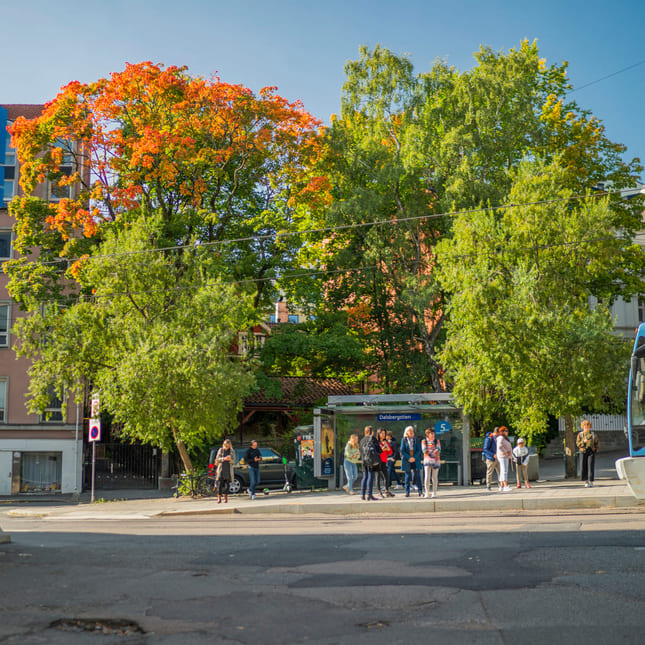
{"x":243,"y":348}
{"x":293,"y":318}
{"x":641,"y":309}
{"x":5,"y":311}
{"x":9,"y":179}
{"x":5,"y":244}
{"x":3,"y":400}
{"x":64,"y":170}
{"x":40,"y":472}
{"x":272,"y":318}
{"x":54,"y":411}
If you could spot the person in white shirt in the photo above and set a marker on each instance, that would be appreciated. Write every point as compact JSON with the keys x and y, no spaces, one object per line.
{"x":504,"y":454}
{"x":521,"y":458}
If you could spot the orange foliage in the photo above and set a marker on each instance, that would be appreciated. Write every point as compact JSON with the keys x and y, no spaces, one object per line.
{"x":155,"y":135}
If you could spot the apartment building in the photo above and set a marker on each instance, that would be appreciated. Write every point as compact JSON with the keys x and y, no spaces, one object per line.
{"x":38,"y":453}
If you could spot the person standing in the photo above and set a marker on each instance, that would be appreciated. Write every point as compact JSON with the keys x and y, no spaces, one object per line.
{"x":431,"y":449}
{"x":385,"y":450}
{"x":225,"y":460}
{"x":521,"y":457}
{"x":411,"y":460}
{"x":391,"y":460}
{"x":588,"y":444}
{"x":252,"y":458}
{"x":352,"y":457}
{"x":504,"y":454}
{"x":489,"y":453}
{"x":371,"y":460}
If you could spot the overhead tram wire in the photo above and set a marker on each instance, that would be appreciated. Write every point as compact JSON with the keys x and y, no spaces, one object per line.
{"x":329,"y":229}
{"x":604,"y":78}
{"x":349,"y":226}
{"x":453,"y":214}
{"x":325,"y":272}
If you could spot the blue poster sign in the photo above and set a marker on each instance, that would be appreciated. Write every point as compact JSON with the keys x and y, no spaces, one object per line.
{"x":442,"y":426}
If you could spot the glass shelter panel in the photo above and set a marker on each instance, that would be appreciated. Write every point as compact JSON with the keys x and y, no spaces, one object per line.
{"x":445,"y":419}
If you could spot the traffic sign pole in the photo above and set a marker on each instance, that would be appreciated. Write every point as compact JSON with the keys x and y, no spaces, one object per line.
{"x":94,"y":435}
{"x":93,"y":469}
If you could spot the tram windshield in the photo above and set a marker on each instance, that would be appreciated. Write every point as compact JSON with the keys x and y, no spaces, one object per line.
{"x":637,"y":403}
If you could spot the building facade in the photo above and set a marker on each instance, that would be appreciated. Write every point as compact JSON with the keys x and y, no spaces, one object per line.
{"x":38,"y":453}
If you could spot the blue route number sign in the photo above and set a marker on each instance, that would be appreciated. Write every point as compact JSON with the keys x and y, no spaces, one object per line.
{"x":442,"y":426}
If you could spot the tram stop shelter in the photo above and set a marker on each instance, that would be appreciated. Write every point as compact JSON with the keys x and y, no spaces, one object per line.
{"x":349,"y":414}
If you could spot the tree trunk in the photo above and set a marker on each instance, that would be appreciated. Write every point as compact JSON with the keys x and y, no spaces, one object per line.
{"x":569,"y":446}
{"x":428,"y":340}
{"x":183,"y":453}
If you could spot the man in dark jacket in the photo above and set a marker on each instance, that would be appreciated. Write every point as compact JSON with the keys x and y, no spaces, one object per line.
{"x":490,"y":456}
{"x":371,"y":462}
{"x":252,"y":458}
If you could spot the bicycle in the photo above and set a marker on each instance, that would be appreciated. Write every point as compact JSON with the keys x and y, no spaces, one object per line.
{"x":194,"y":485}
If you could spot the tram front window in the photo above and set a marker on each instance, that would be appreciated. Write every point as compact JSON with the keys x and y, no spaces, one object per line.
{"x":637,"y":404}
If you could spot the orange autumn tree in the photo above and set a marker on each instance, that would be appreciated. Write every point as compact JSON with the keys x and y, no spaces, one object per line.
{"x":172,"y":191}
{"x":215,"y":160}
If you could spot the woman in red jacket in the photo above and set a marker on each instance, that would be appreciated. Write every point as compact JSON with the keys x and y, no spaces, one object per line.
{"x":385,"y":451}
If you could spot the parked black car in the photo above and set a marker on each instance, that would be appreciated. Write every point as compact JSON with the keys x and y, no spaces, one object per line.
{"x":271,"y":470}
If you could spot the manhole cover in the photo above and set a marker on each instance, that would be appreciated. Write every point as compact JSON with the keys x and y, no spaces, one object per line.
{"x":113,"y":626}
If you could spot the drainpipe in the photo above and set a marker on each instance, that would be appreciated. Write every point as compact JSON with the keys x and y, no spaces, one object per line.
{"x":77,"y":491}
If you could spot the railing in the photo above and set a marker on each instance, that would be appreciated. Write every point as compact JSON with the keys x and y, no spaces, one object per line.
{"x":599,"y":422}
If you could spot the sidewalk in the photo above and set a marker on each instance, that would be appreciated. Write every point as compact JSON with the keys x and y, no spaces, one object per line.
{"x":551,"y":492}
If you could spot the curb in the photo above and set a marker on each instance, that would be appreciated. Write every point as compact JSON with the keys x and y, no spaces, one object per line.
{"x":435,"y":506}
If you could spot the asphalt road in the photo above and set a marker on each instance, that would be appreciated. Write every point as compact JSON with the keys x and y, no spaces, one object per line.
{"x":543,"y":578}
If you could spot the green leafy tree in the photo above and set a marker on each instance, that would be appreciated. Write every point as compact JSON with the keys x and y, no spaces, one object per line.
{"x":155,"y":341}
{"x":378,"y":270}
{"x":407,"y":151}
{"x":179,"y":189}
{"x":522,"y":338}
{"x":320,"y":348}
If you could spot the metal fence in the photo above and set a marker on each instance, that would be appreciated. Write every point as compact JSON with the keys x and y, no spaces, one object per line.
{"x":599,"y":422}
{"x":121,"y":466}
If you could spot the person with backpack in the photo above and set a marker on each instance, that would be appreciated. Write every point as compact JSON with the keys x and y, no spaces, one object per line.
{"x":489,"y":454}
{"x":588,"y":444}
{"x":431,"y":449}
{"x":371,"y":459}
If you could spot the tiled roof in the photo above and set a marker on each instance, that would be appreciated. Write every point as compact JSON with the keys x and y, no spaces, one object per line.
{"x":28,"y":110}
{"x":299,"y":392}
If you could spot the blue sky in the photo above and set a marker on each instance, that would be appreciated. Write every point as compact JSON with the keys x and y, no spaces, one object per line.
{"x":302,"y":46}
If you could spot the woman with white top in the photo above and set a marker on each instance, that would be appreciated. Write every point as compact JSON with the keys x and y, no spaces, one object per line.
{"x":504,"y":454}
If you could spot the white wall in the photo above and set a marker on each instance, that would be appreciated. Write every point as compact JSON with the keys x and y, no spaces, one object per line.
{"x":72,"y":459}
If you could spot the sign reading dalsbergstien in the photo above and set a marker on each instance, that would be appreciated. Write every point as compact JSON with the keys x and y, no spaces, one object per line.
{"x":394,"y":416}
